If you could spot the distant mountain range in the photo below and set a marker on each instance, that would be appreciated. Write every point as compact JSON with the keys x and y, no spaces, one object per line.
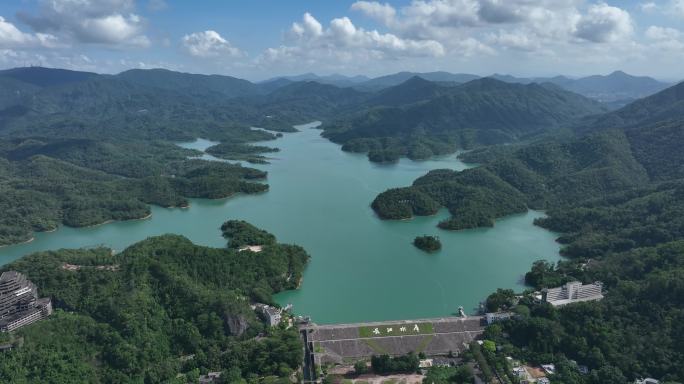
{"x":334,"y":79}
{"x":398,"y":78}
{"x":420,"y":113}
{"x":615,"y":90}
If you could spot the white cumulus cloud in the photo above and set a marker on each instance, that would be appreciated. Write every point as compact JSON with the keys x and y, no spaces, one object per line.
{"x":677,"y":8}
{"x":604,"y":23}
{"x":648,"y":6}
{"x":344,"y":38}
{"x":108,"y":22}
{"x":384,"y":13}
{"x":665,"y":38}
{"x":209,"y":44}
{"x":12,"y":37}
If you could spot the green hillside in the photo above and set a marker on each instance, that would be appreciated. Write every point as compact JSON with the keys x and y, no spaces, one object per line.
{"x":481,"y":112}
{"x":189,"y":83}
{"x":162,"y":309}
{"x":639,"y":147}
{"x":46,"y":77}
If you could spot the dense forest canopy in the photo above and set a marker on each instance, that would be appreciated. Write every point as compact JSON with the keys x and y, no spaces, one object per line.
{"x":162,"y":307}
{"x":415,"y":117}
{"x":552,"y":171}
{"x":427,"y":243}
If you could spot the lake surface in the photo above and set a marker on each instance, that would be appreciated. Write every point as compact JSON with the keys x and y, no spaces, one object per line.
{"x":362,"y":268}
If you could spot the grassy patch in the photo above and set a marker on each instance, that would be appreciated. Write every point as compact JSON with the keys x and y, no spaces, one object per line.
{"x":396,"y":330}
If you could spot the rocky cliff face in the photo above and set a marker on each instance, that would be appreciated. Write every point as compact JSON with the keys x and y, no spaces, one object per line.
{"x":237,"y":324}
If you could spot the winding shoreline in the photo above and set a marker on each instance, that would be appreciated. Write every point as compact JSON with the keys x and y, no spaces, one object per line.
{"x":21,"y":243}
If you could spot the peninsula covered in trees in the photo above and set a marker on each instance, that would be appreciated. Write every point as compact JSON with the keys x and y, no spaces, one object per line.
{"x":163,"y":310}
{"x":626,"y":150}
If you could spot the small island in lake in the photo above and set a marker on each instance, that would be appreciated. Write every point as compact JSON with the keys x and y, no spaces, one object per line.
{"x":427,"y":243}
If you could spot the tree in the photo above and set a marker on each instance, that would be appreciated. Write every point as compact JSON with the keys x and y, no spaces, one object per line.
{"x":607,"y":375}
{"x":360,"y":367}
{"x":500,"y":300}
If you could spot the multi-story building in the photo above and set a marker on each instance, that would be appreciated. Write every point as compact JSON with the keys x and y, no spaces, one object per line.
{"x":272,"y":315}
{"x":573,"y":292}
{"x":19,"y":302}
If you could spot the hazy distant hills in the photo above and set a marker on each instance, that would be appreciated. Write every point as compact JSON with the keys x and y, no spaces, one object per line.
{"x":335,"y":79}
{"x":662,"y":106}
{"x":617,"y":87}
{"x":398,"y":78}
{"x":190,"y":83}
{"x":615,"y":90}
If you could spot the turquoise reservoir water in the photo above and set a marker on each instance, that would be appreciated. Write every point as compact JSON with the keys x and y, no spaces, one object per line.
{"x":362,"y":268}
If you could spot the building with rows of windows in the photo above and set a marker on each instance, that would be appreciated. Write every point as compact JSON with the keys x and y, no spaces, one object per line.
{"x":573,"y":292}
{"x":19,"y":302}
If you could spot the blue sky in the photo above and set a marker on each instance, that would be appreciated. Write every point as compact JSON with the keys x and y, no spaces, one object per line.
{"x":258,"y":39}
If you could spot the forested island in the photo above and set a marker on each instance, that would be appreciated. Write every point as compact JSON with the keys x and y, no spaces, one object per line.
{"x":427,"y":243}
{"x":163,"y":310}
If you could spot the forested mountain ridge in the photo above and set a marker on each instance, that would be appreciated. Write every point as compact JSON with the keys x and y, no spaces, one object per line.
{"x":480,"y":112}
{"x":158,"y":312}
{"x":334,"y":79}
{"x":395,"y":79}
{"x":617,"y":88}
{"x":632,"y":147}
{"x":46,"y":77}
{"x":227,"y":86}
{"x":413,"y":90}
{"x":308,"y":98}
